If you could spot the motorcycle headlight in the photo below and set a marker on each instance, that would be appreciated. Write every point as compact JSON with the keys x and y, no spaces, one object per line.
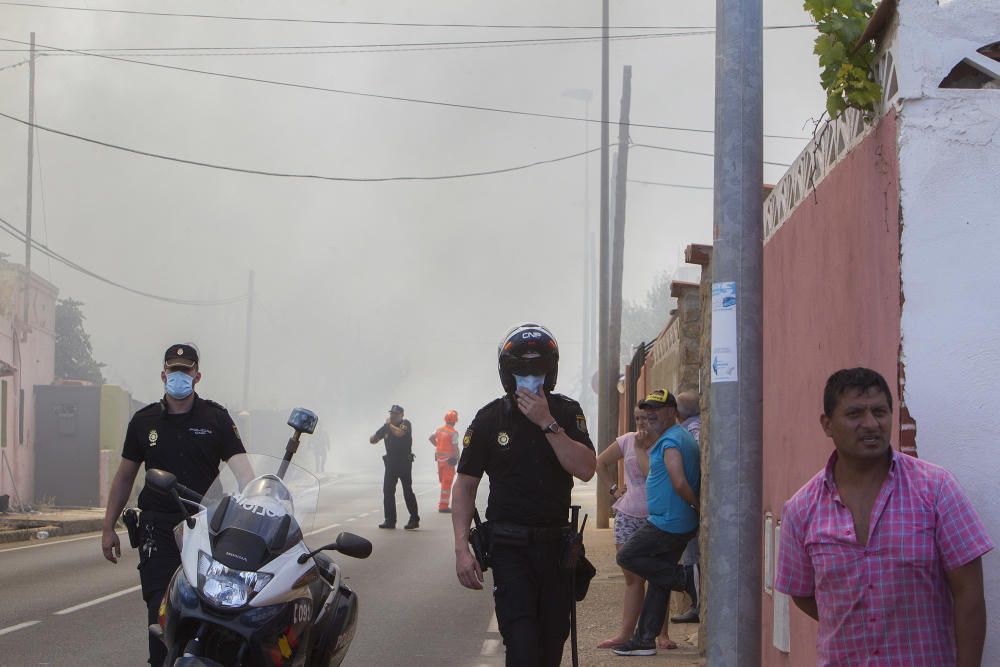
{"x":225,"y":587}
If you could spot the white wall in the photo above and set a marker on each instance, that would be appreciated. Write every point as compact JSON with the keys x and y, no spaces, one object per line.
{"x":949,"y":152}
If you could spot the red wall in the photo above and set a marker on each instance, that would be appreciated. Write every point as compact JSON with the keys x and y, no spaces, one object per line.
{"x":831,"y":301}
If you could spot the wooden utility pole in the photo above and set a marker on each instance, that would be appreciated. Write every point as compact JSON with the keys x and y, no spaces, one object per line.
{"x":246,"y":345}
{"x":31,"y":169}
{"x":618,"y":249}
{"x":604,"y":381}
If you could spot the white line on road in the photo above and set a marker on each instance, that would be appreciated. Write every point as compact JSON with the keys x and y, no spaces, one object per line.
{"x":494,"y":626}
{"x":70,"y":610}
{"x":320,"y":530}
{"x":351,"y":519}
{"x":49,"y":543}
{"x":363,"y":515}
{"x":19,"y":626}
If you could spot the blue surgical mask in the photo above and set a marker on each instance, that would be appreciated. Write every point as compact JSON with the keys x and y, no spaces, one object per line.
{"x":532,"y":383}
{"x":179,"y":385}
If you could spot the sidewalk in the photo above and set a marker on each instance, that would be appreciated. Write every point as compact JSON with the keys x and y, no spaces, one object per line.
{"x":55,"y":522}
{"x":599,"y":616}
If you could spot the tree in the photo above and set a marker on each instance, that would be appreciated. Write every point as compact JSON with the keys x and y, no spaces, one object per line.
{"x":643,"y":322}
{"x":74,"y":354}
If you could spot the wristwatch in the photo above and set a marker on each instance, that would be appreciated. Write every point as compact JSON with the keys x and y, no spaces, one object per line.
{"x":612,"y":489}
{"x":553,"y":427}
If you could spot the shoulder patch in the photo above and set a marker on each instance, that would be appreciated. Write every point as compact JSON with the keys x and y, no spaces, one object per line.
{"x":467,"y":439}
{"x":581,"y":424}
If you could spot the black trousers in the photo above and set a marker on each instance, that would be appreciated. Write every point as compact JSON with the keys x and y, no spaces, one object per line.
{"x":401,"y":470}
{"x":653,"y":554}
{"x":531,"y":591}
{"x":155,"y":574}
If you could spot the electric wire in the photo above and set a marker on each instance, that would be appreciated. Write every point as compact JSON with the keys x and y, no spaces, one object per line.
{"x":17,"y":64}
{"x":277,"y":174}
{"x":395,"y":98}
{"x":347,"y":179}
{"x":313,"y":49}
{"x":282,"y":19}
{"x":12,"y":230}
{"x":672,"y":185}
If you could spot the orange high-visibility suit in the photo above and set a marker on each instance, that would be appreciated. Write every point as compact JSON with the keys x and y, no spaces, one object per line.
{"x":446,"y":454}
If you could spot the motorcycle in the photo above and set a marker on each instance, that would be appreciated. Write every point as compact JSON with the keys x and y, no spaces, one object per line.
{"x":249,"y":592}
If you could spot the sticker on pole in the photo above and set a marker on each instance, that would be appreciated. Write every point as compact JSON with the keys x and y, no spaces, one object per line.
{"x":724,"y":344}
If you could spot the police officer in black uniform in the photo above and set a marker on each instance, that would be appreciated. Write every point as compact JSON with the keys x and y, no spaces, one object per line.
{"x":398,"y":435}
{"x":183,"y":434}
{"x":531,"y":443}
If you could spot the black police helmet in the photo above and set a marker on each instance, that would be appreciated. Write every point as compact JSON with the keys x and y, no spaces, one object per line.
{"x":528,"y":349}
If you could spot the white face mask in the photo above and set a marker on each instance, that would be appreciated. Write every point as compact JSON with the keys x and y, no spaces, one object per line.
{"x":532,"y":383}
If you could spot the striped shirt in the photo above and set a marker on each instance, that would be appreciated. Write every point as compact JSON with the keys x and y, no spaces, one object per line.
{"x":887,"y":602}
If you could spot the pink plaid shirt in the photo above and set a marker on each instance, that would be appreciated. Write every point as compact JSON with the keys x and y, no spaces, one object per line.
{"x":888,"y":602}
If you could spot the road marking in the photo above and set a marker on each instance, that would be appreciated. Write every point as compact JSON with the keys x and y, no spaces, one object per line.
{"x":361,"y":516}
{"x":320,"y":530}
{"x":70,"y":610}
{"x":49,"y":543}
{"x":351,"y":519}
{"x":490,"y":647}
{"x":19,"y":626}
{"x":494,"y":625}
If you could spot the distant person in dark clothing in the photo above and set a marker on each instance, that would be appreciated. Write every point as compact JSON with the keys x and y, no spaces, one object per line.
{"x":398,"y":435}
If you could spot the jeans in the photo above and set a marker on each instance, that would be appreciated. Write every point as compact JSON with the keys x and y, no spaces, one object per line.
{"x":653,"y":554}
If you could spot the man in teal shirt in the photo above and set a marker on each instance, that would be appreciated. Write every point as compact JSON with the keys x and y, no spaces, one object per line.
{"x":673,"y":466}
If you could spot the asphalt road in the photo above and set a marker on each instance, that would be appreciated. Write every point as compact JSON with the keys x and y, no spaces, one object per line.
{"x":61,"y":603}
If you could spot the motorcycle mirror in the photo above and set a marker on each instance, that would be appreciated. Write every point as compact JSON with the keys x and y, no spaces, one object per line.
{"x":303,"y":420}
{"x":161,"y":480}
{"x":348,"y":544}
{"x":353,"y":545}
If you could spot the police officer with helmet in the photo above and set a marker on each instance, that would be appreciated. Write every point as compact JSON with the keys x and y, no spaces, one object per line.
{"x":183,"y":434}
{"x":531,"y":443}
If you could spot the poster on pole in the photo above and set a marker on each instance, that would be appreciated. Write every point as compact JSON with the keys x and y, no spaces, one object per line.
{"x":724,"y":344}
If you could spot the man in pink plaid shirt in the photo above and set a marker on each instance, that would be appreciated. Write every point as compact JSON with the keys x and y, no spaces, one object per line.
{"x":884,"y":550}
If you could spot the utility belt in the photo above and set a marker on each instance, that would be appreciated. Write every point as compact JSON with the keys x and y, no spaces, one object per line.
{"x":147,"y":528}
{"x":485,"y":537}
{"x":515,"y":535}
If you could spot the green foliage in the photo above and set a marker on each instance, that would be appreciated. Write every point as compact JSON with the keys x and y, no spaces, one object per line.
{"x":74,"y":354}
{"x":847,"y":72}
{"x":643,"y":322}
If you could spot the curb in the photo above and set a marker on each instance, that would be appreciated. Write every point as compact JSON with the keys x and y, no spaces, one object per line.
{"x":54,"y":528}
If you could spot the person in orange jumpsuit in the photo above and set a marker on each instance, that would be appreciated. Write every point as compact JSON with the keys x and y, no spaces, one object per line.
{"x":445,"y":441}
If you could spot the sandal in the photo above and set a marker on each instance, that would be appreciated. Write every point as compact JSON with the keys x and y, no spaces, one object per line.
{"x":612,"y":643}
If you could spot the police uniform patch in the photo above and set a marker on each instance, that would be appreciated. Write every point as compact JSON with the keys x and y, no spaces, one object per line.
{"x":503,"y":439}
{"x":467,"y":440}
{"x":581,"y":424}
{"x":153,"y":437}
{"x":237,"y":432}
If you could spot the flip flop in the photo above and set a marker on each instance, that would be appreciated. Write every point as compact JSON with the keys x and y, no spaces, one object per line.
{"x":611,"y":643}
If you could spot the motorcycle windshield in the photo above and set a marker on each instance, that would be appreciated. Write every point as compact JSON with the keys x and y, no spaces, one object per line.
{"x":277,"y":510}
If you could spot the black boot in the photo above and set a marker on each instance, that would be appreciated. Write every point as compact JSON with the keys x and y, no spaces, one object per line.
{"x":414,"y":522}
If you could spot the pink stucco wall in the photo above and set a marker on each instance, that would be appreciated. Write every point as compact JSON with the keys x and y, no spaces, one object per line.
{"x":831,"y":300}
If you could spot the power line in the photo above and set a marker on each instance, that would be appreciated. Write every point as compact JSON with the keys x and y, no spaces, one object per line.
{"x":349,"y":179}
{"x":672,"y":185}
{"x":261,"y":172}
{"x":17,"y":64}
{"x":316,"y":48}
{"x":683,"y":150}
{"x":281,"y":19}
{"x":395,"y":98}
{"x":12,"y":230}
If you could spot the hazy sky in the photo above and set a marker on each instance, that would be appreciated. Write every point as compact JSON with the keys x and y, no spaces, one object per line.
{"x":367,"y":294}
